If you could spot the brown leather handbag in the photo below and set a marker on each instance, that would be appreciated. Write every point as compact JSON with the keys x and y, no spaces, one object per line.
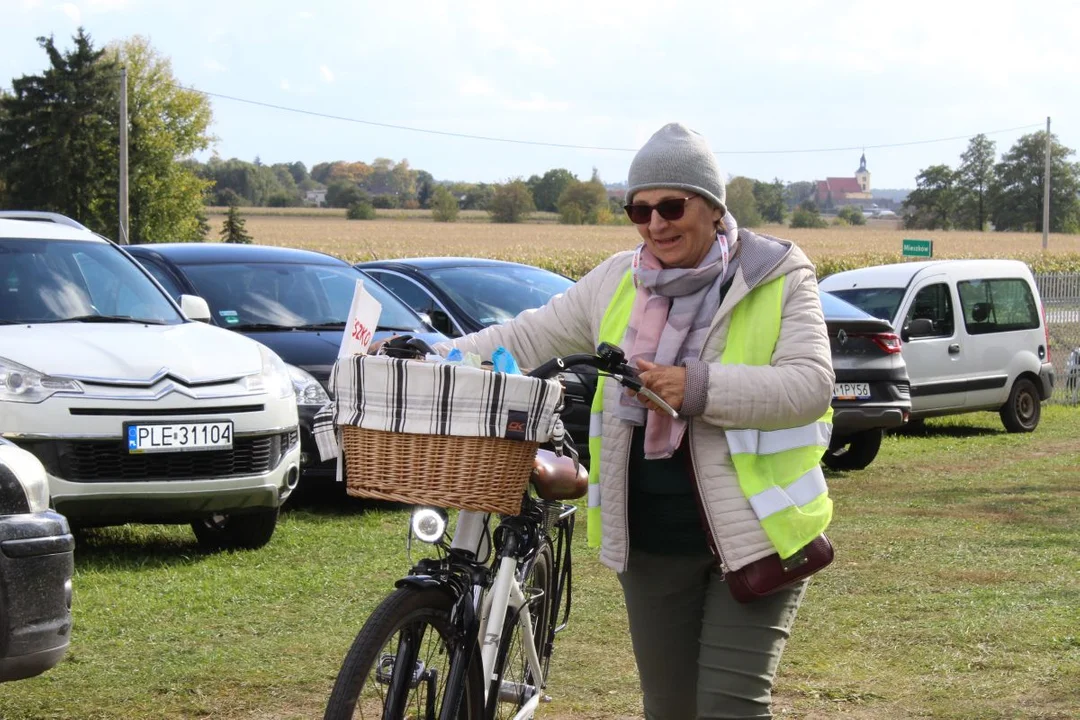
{"x":769,"y":574}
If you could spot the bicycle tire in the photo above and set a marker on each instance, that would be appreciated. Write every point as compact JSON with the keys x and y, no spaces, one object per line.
{"x":510,"y":659}
{"x":408,"y":607}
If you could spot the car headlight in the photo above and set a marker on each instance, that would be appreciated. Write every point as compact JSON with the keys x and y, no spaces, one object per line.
{"x":274,"y":378}
{"x":30,"y":473}
{"x":308,"y":390}
{"x":19,"y":383}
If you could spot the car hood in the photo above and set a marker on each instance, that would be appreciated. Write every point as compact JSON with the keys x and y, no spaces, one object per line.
{"x":191,"y":351}
{"x":316,"y":351}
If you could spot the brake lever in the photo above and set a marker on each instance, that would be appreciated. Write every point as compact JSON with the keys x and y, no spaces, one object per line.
{"x":636,"y":385}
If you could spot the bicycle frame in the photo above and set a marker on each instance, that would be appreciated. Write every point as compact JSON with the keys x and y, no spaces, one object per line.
{"x":506,"y":596}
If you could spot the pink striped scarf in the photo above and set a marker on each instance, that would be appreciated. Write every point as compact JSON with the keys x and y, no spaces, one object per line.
{"x":671,"y":315}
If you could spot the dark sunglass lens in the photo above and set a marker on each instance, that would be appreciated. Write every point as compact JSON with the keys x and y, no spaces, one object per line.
{"x":671,"y":209}
{"x":639,"y":214}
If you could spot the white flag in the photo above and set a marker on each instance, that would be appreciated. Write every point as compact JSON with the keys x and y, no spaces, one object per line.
{"x":361,"y":324}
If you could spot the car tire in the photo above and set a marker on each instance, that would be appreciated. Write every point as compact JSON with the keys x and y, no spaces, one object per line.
{"x":1022,"y":410}
{"x":853,"y":452}
{"x":246,"y":531}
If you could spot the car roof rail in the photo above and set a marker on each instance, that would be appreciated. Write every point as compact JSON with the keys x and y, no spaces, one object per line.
{"x":42,"y":216}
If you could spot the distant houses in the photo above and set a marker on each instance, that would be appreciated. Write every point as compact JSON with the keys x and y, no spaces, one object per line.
{"x":315,"y":197}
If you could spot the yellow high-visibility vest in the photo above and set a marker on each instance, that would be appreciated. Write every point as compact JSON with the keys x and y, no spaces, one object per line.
{"x":779,"y":471}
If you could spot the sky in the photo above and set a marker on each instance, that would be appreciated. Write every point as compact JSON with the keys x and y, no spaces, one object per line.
{"x":767,"y":83}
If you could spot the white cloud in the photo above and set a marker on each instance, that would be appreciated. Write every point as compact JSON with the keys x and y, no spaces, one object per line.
{"x":532,"y":53}
{"x":305,"y":15}
{"x":72,"y":11}
{"x":473,"y":85}
{"x":327,"y":75}
{"x":213,"y":65}
{"x":105,"y":5}
{"x":537,"y":102}
{"x":28,"y":5}
{"x":285,"y":85}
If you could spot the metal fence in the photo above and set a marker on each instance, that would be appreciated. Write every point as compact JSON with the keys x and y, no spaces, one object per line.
{"x":1061,"y":296}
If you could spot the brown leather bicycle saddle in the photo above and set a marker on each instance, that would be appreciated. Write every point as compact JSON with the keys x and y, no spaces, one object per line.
{"x":555,"y":477}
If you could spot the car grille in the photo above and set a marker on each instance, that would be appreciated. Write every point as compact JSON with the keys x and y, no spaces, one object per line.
{"x":109,"y":461}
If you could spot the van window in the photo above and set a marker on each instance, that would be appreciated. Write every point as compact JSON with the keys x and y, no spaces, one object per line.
{"x":1000,"y":305}
{"x":934,"y":303}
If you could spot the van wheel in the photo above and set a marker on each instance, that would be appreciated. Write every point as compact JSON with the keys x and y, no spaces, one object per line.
{"x":853,"y":452}
{"x":1023,"y":409}
{"x":247,"y":531}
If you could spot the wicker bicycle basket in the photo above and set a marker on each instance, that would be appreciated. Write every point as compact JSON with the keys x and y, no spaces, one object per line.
{"x":467,"y":473}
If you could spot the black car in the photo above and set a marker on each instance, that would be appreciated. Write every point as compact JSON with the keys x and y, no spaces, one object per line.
{"x":36,"y":565}
{"x":872,"y":391}
{"x":293,"y":301}
{"x":463,"y":295}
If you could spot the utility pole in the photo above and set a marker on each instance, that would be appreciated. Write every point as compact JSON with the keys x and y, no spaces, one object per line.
{"x":123,"y":158}
{"x":1046,"y":188}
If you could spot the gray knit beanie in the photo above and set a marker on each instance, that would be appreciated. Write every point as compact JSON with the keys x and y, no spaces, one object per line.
{"x":677,"y":157}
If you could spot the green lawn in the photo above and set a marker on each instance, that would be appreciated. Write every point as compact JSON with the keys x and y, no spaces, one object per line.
{"x":955,"y":594}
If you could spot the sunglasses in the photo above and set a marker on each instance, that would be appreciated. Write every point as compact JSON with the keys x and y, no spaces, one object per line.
{"x":671,"y":209}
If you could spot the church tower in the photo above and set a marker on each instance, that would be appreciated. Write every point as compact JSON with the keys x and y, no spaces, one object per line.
{"x":862,"y":175}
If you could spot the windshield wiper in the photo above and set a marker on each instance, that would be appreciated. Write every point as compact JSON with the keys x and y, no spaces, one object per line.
{"x":336,"y":325}
{"x":107,"y":319}
{"x":391,"y":328}
{"x":262,"y":326}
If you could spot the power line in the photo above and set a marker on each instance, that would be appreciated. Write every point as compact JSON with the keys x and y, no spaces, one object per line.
{"x":571,"y":146}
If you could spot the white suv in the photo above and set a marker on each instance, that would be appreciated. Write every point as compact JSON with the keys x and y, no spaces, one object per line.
{"x":974,"y":334}
{"x":138,"y":412}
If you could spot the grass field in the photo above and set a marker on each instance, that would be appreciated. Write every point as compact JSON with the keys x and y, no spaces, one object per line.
{"x":955,"y":594}
{"x":574,"y":249}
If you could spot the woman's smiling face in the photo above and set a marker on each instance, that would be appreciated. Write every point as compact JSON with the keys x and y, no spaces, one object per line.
{"x":681,"y":243}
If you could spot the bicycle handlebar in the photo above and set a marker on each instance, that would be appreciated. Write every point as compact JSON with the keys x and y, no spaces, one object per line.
{"x":610,"y":360}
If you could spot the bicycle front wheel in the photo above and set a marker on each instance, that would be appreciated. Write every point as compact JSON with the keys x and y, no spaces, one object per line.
{"x":516,"y":680}
{"x":399,"y":663}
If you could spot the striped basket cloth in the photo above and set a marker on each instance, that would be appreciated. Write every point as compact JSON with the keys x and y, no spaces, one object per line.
{"x":434,"y":433}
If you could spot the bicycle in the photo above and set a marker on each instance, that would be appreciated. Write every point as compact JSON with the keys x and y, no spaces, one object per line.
{"x":490,"y":602}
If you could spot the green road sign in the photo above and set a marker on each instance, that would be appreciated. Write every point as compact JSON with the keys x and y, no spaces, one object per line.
{"x":917,"y":248}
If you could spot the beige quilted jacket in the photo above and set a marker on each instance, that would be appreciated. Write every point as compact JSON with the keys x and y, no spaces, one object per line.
{"x":794,"y":390}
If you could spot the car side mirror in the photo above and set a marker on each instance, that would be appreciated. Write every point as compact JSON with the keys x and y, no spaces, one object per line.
{"x":440,"y":320}
{"x":195,"y":308}
{"x":920,"y":327}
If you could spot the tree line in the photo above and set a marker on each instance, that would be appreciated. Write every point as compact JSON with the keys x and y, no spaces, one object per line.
{"x":1006,"y":193}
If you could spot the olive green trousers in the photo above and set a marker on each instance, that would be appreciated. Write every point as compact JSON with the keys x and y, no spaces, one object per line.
{"x":700,"y":653}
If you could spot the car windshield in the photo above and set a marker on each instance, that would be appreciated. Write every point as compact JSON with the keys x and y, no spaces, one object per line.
{"x":49,"y":281}
{"x":291,"y":295}
{"x":495,"y":294}
{"x":880,"y":302}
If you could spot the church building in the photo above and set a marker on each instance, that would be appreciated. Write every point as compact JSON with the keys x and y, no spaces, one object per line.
{"x":839,"y":191}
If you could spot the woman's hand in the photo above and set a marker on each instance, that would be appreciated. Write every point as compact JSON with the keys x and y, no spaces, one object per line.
{"x":667,"y":381}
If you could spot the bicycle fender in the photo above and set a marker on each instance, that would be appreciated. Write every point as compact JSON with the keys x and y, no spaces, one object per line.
{"x":420,"y":581}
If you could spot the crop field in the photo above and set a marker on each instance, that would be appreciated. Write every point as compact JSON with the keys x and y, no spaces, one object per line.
{"x":574,"y":249}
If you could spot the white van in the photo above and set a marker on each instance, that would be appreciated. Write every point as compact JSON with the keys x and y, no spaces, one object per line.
{"x":974,"y":334}
{"x":138,"y":412}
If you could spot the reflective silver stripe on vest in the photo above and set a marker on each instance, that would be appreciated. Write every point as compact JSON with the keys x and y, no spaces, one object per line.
{"x":804,"y":490}
{"x":596,"y":424}
{"x":769,"y":442}
{"x":594,"y":495}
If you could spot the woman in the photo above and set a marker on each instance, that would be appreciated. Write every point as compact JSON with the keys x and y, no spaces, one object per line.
{"x":675,"y":514}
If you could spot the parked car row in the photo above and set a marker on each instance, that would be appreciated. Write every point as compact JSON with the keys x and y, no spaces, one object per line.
{"x":178,"y":383}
